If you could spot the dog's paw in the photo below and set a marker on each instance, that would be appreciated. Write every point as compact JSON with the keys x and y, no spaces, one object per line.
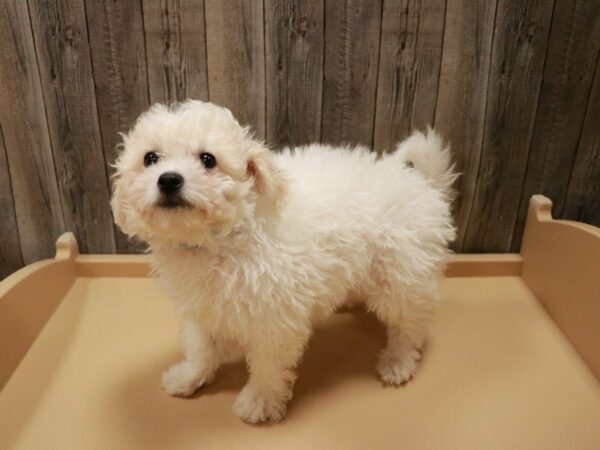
{"x":183,"y":379}
{"x":396,"y":369}
{"x":255,"y":407}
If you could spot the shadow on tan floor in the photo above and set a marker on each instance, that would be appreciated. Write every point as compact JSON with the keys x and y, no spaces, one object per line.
{"x":341,"y":352}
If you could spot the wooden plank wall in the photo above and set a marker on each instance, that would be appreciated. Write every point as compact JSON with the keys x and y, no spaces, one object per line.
{"x":514,"y":86}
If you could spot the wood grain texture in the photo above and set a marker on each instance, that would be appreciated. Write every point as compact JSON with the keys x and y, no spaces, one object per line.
{"x":25,"y":130}
{"x":513,"y":86}
{"x":175,"y":50}
{"x":352,"y":35}
{"x":462,"y":94}
{"x":294,"y":70}
{"x":63,"y":52}
{"x":11,"y":258}
{"x":116,"y":32}
{"x":409,"y":69}
{"x":583,"y":192}
{"x":235,"y":48}
{"x":518,"y":54}
{"x":567,"y":81}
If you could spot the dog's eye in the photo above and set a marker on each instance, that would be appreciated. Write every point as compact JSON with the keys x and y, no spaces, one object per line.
{"x":150,"y":158}
{"x":208,"y":160}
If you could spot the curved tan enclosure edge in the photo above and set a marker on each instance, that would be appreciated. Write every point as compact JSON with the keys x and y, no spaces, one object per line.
{"x":513,"y":360}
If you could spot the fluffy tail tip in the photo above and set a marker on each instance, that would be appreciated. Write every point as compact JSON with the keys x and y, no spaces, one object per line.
{"x":427,"y":153}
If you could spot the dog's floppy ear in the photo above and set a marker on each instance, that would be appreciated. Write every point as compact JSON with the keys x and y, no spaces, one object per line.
{"x":120,"y":207}
{"x":269,"y":181}
{"x":117,"y":204}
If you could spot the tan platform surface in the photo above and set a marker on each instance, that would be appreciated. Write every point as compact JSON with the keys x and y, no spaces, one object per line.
{"x":497,"y":374}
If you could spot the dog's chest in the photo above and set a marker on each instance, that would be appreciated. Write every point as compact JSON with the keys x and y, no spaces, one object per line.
{"x":224,"y":292}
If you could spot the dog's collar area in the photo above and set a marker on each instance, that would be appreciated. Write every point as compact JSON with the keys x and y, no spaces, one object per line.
{"x":186,"y":246}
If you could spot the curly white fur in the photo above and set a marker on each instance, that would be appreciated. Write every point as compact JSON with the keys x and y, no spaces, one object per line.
{"x":274,"y":241}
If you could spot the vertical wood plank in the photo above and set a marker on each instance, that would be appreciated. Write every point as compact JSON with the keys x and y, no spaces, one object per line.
{"x":294,"y":70}
{"x":11,"y":258}
{"x":519,"y":50}
{"x":175,"y":50}
{"x":62,"y":47}
{"x":23,"y":120}
{"x":461,"y":100}
{"x":583,"y":193}
{"x":573,"y":49}
{"x":352,"y":32}
{"x":116,"y":31}
{"x":411,"y":49}
{"x":235,"y":49}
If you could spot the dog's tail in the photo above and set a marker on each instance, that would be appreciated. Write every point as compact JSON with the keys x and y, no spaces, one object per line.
{"x":428,"y":154}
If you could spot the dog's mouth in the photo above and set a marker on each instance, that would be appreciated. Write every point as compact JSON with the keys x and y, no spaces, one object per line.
{"x":173,"y":202}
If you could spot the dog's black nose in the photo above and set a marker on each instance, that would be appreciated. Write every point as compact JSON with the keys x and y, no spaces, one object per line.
{"x":170,"y":182}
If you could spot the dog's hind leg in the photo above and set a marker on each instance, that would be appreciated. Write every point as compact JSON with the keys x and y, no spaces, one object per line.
{"x":199,"y":365}
{"x":406,"y":317}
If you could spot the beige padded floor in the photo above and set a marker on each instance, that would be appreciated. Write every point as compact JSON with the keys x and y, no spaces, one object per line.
{"x":497,"y":373}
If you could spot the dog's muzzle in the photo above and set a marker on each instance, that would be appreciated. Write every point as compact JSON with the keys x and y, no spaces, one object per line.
{"x":169,"y":185}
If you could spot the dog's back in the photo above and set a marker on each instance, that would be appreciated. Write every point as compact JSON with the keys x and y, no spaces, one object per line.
{"x":352,"y":190}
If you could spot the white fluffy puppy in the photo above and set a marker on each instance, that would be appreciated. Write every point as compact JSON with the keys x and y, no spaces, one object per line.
{"x":253,"y":246}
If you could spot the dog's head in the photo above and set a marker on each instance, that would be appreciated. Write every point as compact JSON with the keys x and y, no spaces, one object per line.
{"x":190,"y":173}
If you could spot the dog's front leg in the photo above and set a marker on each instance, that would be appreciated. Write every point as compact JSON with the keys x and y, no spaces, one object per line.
{"x":199,"y":365}
{"x":272,"y":361}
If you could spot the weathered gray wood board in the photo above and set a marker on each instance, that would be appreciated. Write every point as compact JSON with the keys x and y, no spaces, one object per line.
{"x":351,"y":61}
{"x":10,"y":249}
{"x":116,"y":32}
{"x":462,"y":94}
{"x":63,"y":52}
{"x":175,"y":49}
{"x":294,"y":47}
{"x":23,"y":120}
{"x":567,"y":81}
{"x":235,"y":44}
{"x":583,"y":193}
{"x":409,"y":68}
{"x":518,"y":53}
{"x":514,"y":87}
